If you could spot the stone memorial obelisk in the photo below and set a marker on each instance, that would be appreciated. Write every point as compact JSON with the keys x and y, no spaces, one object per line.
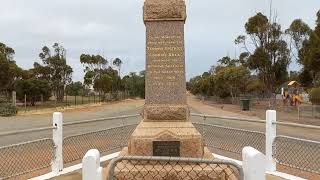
{"x":166,"y":129}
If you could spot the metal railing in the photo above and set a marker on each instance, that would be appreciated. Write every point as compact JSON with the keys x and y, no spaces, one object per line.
{"x":297,"y":156}
{"x":101,"y":119}
{"x":27,"y":131}
{"x":33,"y":158}
{"x":205,"y":116}
{"x":142,"y":167}
{"x":24,"y":158}
{"x":231,"y":139}
{"x":106,"y":141}
{"x":308,"y":111}
{"x":297,"y":153}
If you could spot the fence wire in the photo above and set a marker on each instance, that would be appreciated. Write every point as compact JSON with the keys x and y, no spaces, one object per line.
{"x":24,"y":158}
{"x":308,"y":111}
{"x":231,"y":139}
{"x":158,"y":168}
{"x":108,"y":140}
{"x":297,"y":153}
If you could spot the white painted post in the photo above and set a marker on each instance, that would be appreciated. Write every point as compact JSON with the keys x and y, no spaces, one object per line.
{"x":57,"y":163}
{"x":271,"y":133}
{"x":253,"y":164}
{"x":91,"y":169}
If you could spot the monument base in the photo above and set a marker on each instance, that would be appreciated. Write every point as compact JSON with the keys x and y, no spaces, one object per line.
{"x":179,"y":139}
{"x":164,"y":171}
{"x":161,"y":171}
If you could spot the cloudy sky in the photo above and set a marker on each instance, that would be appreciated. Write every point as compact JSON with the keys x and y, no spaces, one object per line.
{"x":114,"y":28}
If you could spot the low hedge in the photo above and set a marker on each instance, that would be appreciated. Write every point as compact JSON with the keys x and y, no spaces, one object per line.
{"x":7,"y":109}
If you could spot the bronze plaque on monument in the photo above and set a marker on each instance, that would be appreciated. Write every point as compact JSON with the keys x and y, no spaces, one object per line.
{"x":166,"y":148}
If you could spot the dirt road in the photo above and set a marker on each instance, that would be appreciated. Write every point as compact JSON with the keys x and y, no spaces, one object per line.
{"x":126,"y":107}
{"x":202,"y":108}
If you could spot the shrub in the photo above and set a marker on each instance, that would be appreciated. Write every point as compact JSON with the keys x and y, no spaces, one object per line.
{"x":7,"y":109}
{"x":315,"y":96}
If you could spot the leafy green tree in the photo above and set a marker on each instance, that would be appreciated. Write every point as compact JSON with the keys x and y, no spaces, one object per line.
{"x":117,"y":62}
{"x":227,"y":79}
{"x":227,"y":61}
{"x":33,"y":89}
{"x":232,"y":80}
{"x":74,"y":89}
{"x":256,"y":86}
{"x":9,"y":71}
{"x":309,"y":54}
{"x":194,"y":85}
{"x":55,"y":69}
{"x":98,"y":74}
{"x":94,"y":67}
{"x":135,"y":84}
{"x":305,"y":78}
{"x":270,"y":57}
{"x":299,"y":32}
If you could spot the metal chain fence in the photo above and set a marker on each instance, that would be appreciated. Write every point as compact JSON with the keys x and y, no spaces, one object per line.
{"x":297,"y":153}
{"x":106,"y":141}
{"x":158,"y":168}
{"x":20,"y":159}
{"x":309,"y":111}
{"x":231,"y":139}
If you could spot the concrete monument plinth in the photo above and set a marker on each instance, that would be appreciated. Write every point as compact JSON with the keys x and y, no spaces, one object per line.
{"x":142,"y":141}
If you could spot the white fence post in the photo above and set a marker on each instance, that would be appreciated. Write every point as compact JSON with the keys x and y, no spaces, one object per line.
{"x":91,"y":169}
{"x":271,"y":133}
{"x":57,"y":163}
{"x":253,"y":164}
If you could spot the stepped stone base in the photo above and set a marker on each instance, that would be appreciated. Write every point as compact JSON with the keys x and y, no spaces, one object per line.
{"x":141,"y":142}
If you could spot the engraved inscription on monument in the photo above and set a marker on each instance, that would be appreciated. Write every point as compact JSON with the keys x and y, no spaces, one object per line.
{"x":165,"y":65}
{"x":166,"y":148}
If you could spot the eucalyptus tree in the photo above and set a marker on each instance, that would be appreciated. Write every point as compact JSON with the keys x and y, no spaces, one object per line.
{"x":94,"y":65}
{"x":268,"y":54}
{"x":117,"y":62}
{"x":309,"y":54}
{"x":9,"y":71}
{"x":55,"y":69}
{"x":99,"y":75}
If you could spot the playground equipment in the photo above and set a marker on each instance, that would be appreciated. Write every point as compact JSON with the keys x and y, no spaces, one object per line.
{"x":292,"y":94}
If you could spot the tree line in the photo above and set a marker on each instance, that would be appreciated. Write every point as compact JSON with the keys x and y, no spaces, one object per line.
{"x":262,"y":66}
{"x":53,"y":76}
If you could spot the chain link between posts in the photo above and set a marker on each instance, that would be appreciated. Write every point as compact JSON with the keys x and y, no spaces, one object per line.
{"x":158,"y":168}
{"x":106,"y":141}
{"x":297,"y":153}
{"x":231,"y":139}
{"x":20,"y":159}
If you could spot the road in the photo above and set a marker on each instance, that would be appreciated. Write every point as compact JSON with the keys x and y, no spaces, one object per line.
{"x":127,"y":107}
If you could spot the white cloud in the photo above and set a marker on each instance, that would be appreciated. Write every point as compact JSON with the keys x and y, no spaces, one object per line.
{"x":114,"y":28}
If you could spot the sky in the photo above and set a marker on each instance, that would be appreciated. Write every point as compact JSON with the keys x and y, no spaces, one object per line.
{"x":114,"y":28}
